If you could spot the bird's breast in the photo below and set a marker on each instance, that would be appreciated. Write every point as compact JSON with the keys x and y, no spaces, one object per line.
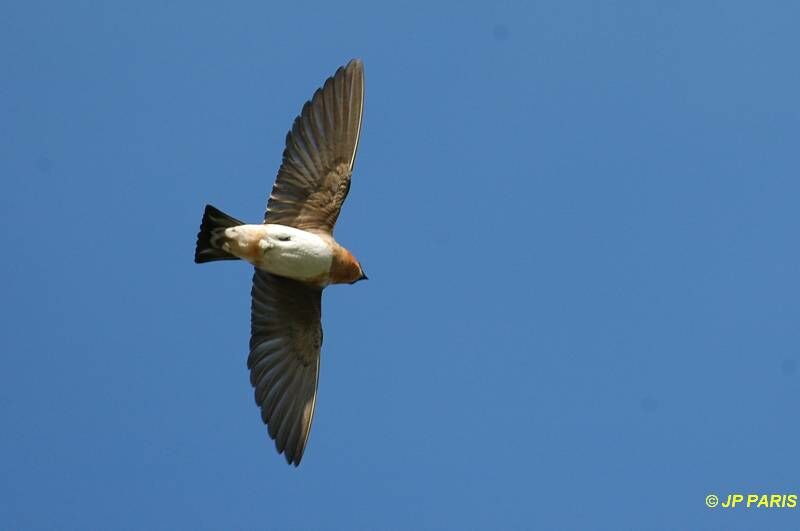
{"x":294,"y":253}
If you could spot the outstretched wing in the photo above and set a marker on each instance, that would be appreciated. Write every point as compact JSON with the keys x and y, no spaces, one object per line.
{"x":314,"y":177}
{"x":285,"y":342}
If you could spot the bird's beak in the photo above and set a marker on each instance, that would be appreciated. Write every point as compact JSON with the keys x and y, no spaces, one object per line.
{"x":363,"y":277}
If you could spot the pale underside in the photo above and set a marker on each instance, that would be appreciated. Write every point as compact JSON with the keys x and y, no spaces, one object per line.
{"x":281,"y":250}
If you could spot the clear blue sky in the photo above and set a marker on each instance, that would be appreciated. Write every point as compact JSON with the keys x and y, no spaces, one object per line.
{"x":580,"y":222}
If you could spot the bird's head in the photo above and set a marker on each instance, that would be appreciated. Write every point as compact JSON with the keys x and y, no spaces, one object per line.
{"x":345,"y":269}
{"x":361,"y":274}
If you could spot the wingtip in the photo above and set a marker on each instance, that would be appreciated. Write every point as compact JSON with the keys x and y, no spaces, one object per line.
{"x":291,"y":458}
{"x":355,"y":64}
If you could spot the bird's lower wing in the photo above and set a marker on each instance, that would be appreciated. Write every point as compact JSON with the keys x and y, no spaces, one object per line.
{"x":285,"y":342}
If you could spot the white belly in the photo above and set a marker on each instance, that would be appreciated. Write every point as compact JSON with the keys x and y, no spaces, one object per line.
{"x":285,"y":251}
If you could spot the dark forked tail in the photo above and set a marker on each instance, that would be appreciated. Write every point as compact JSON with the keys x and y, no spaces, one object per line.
{"x":212,"y":236}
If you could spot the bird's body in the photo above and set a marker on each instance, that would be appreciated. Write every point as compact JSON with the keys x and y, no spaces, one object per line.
{"x":295,"y":256}
{"x":292,"y":253}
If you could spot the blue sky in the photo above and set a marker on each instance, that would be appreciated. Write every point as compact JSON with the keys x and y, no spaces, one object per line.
{"x":579,"y":220}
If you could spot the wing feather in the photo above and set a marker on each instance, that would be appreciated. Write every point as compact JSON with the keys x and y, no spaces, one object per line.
{"x":285,"y":343}
{"x":314,"y":177}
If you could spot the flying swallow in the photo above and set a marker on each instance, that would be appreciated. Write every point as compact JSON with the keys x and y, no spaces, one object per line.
{"x":295,"y":256}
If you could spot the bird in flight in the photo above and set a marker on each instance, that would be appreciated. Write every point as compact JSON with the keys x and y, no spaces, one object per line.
{"x":295,"y":256}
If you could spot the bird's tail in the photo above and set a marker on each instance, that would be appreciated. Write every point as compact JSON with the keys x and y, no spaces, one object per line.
{"x":212,"y":236}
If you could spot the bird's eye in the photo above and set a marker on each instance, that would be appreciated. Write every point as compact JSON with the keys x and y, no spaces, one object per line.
{"x":284,"y":238}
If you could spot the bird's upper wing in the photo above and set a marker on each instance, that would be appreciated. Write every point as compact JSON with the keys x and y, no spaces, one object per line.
{"x":314,"y":177}
{"x":285,"y":342}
